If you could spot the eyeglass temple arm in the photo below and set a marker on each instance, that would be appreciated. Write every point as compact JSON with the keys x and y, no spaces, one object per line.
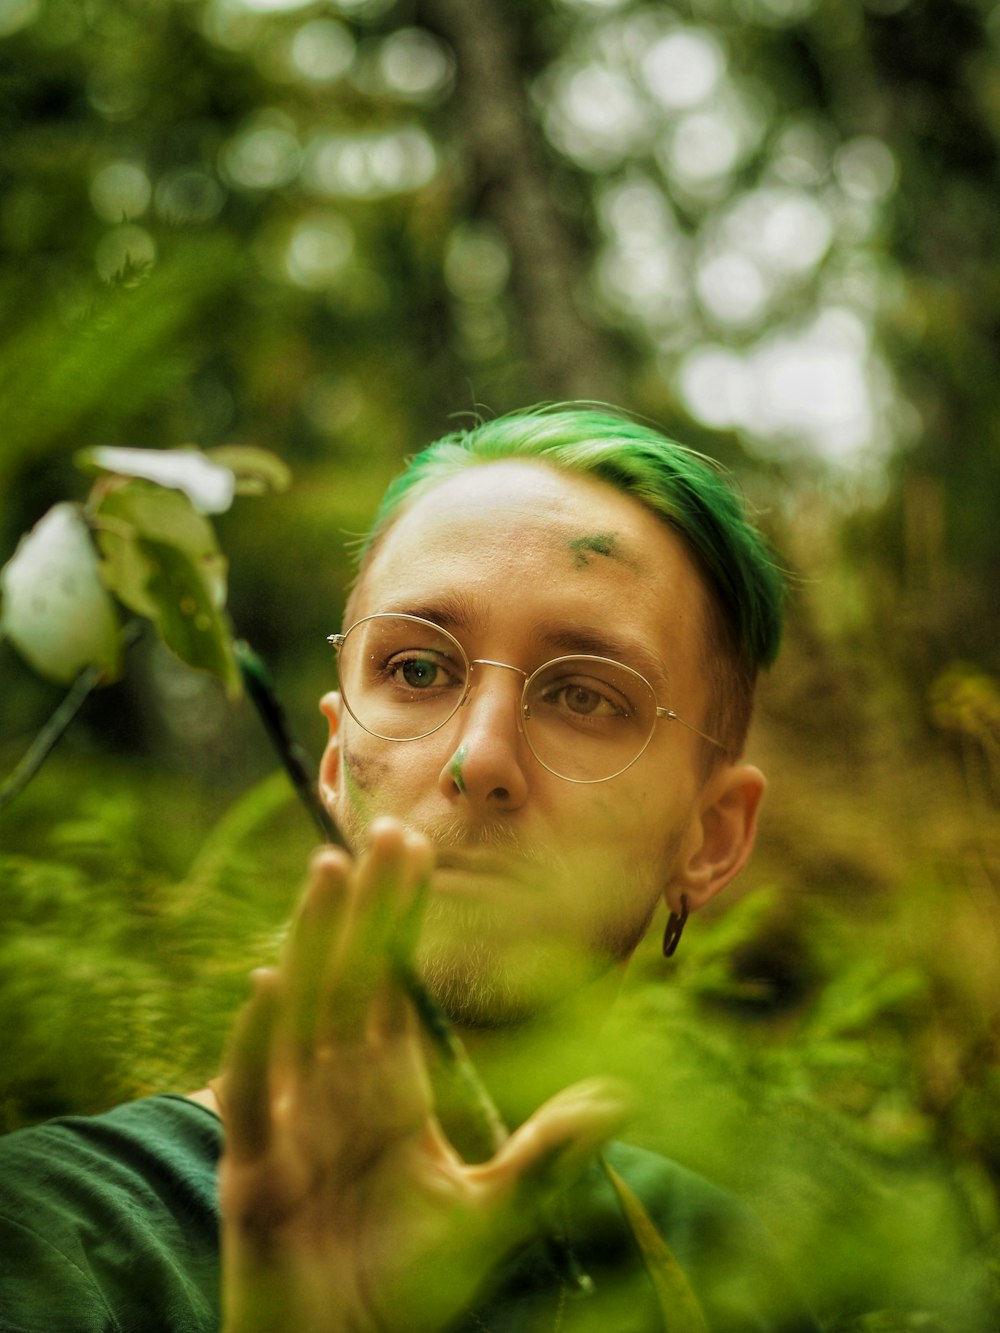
{"x":671,"y":716}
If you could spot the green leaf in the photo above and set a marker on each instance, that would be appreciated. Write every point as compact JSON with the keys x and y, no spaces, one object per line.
{"x":186,"y":614}
{"x":161,"y":558}
{"x":56,"y":611}
{"x":136,"y":347}
{"x":132,"y":511}
{"x":679,"y":1307}
{"x":256,"y":470}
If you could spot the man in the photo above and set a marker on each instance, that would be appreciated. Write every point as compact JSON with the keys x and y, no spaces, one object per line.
{"x":545,"y":683}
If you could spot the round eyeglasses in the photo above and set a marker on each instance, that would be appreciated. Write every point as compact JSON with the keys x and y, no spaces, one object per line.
{"x":585,"y":719}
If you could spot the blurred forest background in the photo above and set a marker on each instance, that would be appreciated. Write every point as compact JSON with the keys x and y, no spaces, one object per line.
{"x":336,"y":228}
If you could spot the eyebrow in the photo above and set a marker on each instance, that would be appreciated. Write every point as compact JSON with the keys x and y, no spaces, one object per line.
{"x":606,"y":643}
{"x":460,"y":614}
{"x":452,"y":611}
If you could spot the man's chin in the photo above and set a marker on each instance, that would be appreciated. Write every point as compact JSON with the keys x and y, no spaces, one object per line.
{"x":485,"y":975}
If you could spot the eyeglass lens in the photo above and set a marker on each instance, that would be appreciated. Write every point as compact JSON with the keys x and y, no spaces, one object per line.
{"x":584,"y":718}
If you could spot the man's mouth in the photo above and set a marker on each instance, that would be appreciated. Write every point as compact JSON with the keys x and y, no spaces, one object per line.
{"x":479,"y":862}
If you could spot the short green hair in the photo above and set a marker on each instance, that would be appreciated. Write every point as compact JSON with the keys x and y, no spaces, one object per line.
{"x":692,"y":494}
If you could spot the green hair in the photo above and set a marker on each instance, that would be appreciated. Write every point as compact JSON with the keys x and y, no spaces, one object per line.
{"x":689,"y":492}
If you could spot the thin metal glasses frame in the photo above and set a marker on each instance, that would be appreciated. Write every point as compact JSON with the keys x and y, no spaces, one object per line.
{"x":524,"y":711}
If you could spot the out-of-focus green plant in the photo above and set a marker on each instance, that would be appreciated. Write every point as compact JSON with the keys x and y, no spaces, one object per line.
{"x":815,"y":1113}
{"x":142,"y":541}
{"x":965,"y":703}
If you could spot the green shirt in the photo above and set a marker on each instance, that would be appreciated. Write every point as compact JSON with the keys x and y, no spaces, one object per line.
{"x":110,"y":1224}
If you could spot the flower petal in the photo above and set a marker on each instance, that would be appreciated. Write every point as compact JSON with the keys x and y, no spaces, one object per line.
{"x":56,"y":610}
{"x":209,"y":486}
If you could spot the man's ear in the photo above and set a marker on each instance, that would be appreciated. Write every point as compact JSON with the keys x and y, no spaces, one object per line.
{"x":329,"y":766}
{"x":721,"y":836}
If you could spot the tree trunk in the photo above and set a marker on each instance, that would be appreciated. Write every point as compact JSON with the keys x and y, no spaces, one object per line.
{"x":568,"y":356}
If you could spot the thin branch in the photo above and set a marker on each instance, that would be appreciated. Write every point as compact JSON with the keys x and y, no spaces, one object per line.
{"x":51,"y":733}
{"x":260,"y":688}
{"x":59,"y":723}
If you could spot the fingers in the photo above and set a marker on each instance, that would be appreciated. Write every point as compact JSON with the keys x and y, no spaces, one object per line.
{"x":353,"y":919}
{"x":360,"y":992}
{"x":314,"y":937}
{"x":247,"y":1083}
{"x":336,"y":982}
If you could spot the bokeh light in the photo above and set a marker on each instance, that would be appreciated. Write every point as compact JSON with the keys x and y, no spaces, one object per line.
{"x":124,"y":248}
{"x":320,"y":245}
{"x":413,"y":66}
{"x":264,"y":155}
{"x":322,"y":51}
{"x":369,"y":166}
{"x":120,"y":190}
{"x":683,"y":68}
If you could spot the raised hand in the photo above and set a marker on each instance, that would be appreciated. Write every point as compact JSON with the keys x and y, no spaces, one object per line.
{"x":345,"y":1208}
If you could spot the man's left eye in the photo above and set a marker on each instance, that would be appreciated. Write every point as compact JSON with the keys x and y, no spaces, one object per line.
{"x":583,"y":701}
{"x":418,"y":672}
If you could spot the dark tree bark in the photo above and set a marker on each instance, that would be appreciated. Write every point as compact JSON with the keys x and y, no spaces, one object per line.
{"x":569,"y":357}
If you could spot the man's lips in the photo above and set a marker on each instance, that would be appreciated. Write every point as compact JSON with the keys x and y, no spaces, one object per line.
{"x":480,"y":863}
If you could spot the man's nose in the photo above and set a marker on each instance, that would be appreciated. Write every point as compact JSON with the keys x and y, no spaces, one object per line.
{"x":487,"y":768}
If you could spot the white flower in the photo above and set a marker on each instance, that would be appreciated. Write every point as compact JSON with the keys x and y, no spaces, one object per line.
{"x":209,"y":486}
{"x":56,"y":611}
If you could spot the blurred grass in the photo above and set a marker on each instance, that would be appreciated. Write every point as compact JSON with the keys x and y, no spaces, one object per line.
{"x":825,"y":1044}
{"x":134,"y":906}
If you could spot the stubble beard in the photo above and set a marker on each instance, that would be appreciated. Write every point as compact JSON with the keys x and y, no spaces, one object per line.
{"x":483,"y":979}
{"x":489,"y":970}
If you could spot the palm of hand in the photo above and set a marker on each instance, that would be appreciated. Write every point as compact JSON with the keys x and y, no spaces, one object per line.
{"x":345,"y":1209}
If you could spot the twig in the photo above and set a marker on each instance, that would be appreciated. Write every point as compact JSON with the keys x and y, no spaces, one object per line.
{"x":60,"y":721}
{"x":294,"y":758}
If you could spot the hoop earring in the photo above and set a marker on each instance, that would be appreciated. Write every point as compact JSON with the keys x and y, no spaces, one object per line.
{"x":675,"y":928}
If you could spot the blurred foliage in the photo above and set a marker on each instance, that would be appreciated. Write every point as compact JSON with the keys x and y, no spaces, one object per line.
{"x":324,"y":228}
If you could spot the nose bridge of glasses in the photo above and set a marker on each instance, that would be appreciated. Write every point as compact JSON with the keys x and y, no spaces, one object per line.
{"x":490,"y":662}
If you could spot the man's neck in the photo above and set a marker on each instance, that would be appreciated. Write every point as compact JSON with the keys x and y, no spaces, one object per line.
{"x":521,"y":1066}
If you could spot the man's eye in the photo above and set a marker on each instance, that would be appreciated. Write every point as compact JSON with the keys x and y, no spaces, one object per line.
{"x":578,"y":699}
{"x":419,"y":673}
{"x":584,"y":701}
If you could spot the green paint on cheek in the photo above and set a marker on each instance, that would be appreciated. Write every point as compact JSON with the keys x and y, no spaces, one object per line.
{"x":455,"y":767}
{"x":600,"y":543}
{"x":355,"y":786}
{"x":351,"y":787}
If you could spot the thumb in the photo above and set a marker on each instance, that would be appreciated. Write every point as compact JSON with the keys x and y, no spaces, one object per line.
{"x":553,"y":1148}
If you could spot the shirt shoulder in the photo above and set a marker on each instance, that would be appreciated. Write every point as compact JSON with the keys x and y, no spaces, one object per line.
{"x":726,"y":1253}
{"x":106,"y":1218}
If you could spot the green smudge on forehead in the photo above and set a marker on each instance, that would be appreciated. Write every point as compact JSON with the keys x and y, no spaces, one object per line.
{"x":600,"y":543}
{"x":455,"y":766}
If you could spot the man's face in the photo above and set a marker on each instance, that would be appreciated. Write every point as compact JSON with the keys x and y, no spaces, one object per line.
{"x":541,"y":883}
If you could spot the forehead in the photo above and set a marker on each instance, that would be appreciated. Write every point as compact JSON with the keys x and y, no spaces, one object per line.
{"x":555,"y":549}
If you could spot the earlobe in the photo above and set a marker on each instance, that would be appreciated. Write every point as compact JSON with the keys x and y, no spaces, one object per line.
{"x":329,"y":767}
{"x":724,"y":835}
